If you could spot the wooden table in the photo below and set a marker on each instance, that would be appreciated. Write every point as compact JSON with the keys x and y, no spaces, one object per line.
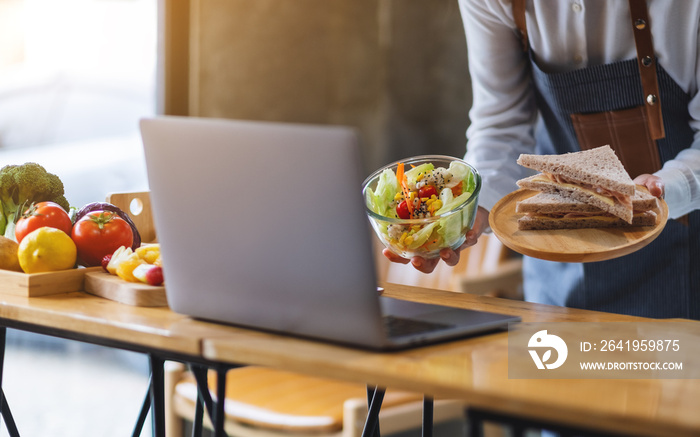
{"x":80,"y":314}
{"x":473,"y":369}
{"x":87,"y":318}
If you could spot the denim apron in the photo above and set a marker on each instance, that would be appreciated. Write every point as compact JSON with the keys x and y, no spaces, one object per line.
{"x":661,"y":280}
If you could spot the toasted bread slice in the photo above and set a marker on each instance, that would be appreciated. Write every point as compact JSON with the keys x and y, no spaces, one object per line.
{"x":598,"y":167}
{"x":581,"y":194}
{"x":528,"y":222}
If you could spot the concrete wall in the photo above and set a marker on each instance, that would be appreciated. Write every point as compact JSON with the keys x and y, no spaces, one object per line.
{"x":396,"y":69}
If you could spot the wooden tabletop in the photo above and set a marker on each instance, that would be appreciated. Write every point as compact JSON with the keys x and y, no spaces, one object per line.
{"x":476,"y":370}
{"x":148,"y":328}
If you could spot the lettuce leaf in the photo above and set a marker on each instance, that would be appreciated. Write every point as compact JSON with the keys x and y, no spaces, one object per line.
{"x":446,"y":196}
{"x":453,"y":203}
{"x":412,"y":174}
{"x":450,"y":229}
{"x":459,"y":170}
{"x":469,"y":183}
{"x":379,"y":199}
{"x":420,"y":237}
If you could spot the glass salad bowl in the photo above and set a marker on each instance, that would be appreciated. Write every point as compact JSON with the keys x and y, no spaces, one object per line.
{"x":442,"y":195}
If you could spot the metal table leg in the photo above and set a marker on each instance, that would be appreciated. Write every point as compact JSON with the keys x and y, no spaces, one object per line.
{"x":4,"y":406}
{"x":476,"y":426}
{"x":198,"y":416}
{"x":428,"y":416}
{"x":7,"y":416}
{"x":215,"y":410}
{"x":375,"y":397}
{"x":144,"y":410}
{"x":200,"y":376}
{"x":219,"y":415}
{"x":157,"y":395}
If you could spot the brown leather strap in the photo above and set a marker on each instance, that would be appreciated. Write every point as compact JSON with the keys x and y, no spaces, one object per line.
{"x":520,"y":23}
{"x":645,"y":58}
{"x":625,"y":130}
{"x":647,"y":66}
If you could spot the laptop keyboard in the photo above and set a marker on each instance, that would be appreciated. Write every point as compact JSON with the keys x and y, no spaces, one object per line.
{"x":400,"y":327}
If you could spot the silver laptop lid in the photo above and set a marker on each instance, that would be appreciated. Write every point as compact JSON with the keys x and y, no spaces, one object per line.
{"x":262,"y":224}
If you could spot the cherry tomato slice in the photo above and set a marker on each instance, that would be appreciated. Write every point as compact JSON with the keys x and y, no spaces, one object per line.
{"x":402,"y":210}
{"x":427,"y":191}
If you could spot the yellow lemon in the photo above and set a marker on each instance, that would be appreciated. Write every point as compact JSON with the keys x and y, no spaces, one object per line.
{"x":46,"y":250}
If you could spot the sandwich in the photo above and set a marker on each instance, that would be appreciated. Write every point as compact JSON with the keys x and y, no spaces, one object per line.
{"x":595,"y":177}
{"x":545,"y":211}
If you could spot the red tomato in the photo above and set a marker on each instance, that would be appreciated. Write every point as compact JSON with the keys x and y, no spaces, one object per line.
{"x":98,"y":234}
{"x":43,"y":214}
{"x":427,"y":191}
{"x":402,"y":210}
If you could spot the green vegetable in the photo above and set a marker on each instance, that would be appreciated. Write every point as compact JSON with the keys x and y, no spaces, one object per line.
{"x":446,"y":231}
{"x":469,"y":183}
{"x":22,"y":185}
{"x":453,"y":203}
{"x":380,"y":199}
{"x":420,"y":237}
{"x":412,"y":174}
{"x":459,"y":171}
{"x":451,"y":226}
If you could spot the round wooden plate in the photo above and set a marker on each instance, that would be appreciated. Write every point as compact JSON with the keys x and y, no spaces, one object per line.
{"x":570,"y":245}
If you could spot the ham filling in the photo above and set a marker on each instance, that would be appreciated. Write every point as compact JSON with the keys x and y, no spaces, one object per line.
{"x":569,"y":215}
{"x":619,"y":197}
{"x":573,"y":215}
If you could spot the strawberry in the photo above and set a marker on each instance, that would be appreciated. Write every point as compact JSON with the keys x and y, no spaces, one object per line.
{"x":105,"y":261}
{"x":149,"y":274}
{"x":154,"y":276}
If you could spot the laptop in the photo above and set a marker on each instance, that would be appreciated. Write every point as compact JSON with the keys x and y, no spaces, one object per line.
{"x":263,"y":225}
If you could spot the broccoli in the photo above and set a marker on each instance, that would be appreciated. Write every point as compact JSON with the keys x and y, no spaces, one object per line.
{"x":22,"y":185}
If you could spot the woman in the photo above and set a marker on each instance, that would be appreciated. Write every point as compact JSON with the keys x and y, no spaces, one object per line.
{"x":543,"y":72}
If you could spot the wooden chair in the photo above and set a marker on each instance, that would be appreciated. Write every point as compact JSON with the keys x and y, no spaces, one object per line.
{"x":138,"y":205}
{"x":263,"y":402}
{"x":488,"y":268}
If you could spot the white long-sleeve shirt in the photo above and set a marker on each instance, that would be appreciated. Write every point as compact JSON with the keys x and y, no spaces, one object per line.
{"x":565,"y":35}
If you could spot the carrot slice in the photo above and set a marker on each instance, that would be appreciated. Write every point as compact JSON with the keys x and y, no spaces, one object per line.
{"x":399,"y":173}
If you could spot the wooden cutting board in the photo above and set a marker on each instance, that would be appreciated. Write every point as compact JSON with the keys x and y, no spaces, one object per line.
{"x":570,"y":245}
{"x":101,"y":283}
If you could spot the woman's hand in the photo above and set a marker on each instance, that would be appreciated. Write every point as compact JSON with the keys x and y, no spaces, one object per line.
{"x":451,"y":257}
{"x":653,"y":183}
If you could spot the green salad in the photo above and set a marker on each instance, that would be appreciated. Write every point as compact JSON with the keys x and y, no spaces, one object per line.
{"x":429,"y":208}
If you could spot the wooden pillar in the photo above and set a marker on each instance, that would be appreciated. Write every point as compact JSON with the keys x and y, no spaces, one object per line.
{"x":394,"y":69}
